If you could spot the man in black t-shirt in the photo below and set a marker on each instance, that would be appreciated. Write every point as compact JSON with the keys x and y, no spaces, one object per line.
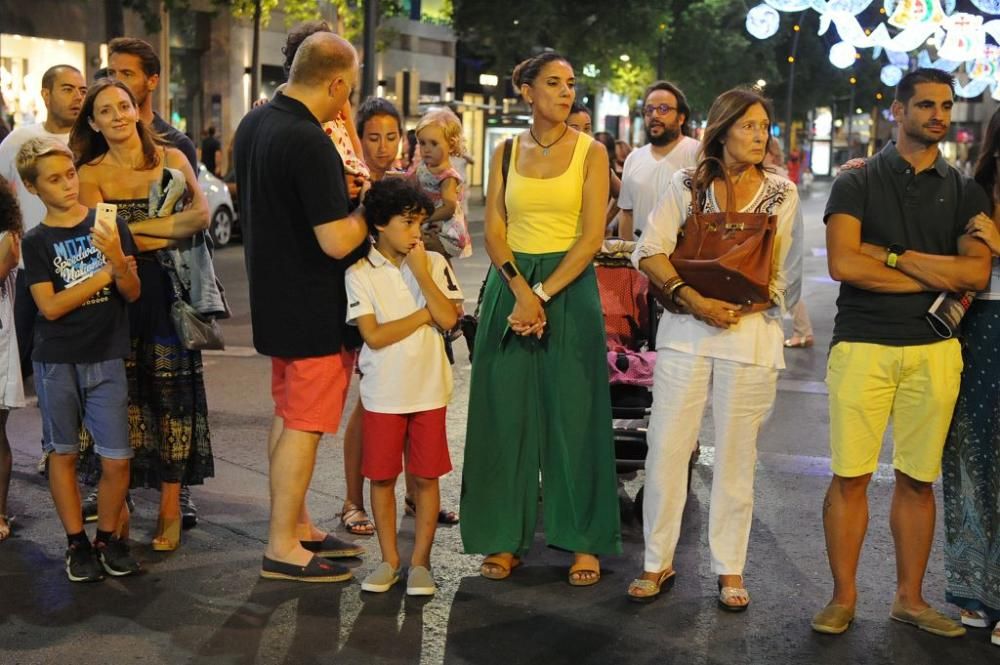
{"x":896,"y":237}
{"x":134,"y":62}
{"x":297,"y":223}
{"x":211,"y":151}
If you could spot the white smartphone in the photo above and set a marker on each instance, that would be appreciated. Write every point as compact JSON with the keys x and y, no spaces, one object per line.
{"x":107,"y":218}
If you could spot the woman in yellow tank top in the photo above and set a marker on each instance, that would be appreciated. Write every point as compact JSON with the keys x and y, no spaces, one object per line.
{"x":539,"y":400}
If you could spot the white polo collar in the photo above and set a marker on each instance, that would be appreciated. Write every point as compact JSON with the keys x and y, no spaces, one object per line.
{"x":379,"y":260}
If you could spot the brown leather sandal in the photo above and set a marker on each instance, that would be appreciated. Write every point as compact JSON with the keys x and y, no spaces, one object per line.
{"x":498,"y":566}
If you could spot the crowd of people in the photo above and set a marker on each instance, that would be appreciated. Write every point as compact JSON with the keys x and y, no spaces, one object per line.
{"x":349,"y":263}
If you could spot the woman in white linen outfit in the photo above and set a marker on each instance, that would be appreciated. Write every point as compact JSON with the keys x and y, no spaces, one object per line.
{"x":735,"y":351}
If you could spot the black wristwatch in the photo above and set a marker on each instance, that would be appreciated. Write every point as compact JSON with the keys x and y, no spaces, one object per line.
{"x":509,"y":271}
{"x":894,"y":251}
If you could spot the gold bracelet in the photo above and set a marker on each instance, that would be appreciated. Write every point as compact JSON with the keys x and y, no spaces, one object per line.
{"x":670,"y":284}
{"x":674,"y":291}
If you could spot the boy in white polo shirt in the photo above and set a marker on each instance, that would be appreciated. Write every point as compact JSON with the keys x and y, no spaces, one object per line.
{"x":400,"y":297}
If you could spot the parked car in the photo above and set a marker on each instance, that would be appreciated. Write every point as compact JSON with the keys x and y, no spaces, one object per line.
{"x":221,"y":210}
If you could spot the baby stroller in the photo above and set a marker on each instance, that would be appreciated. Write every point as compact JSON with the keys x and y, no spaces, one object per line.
{"x":631,"y":315}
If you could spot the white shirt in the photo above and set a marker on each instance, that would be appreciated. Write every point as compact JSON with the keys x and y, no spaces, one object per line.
{"x":758,"y":338}
{"x":32,"y":208}
{"x":645,"y":177}
{"x":414,"y":373}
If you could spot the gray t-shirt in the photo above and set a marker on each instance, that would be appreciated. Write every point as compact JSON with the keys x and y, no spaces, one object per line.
{"x":926,"y":212}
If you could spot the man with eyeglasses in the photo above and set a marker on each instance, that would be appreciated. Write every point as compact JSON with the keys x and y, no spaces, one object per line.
{"x":648,"y":170}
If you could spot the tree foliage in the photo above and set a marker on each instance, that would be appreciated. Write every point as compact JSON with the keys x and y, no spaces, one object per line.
{"x":706,"y":48}
{"x":588,"y":32}
{"x":349,"y":12}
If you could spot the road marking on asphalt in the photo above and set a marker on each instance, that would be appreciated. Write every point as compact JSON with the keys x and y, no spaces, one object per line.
{"x":233,"y":352}
{"x":802,"y":465}
{"x":797,"y":386}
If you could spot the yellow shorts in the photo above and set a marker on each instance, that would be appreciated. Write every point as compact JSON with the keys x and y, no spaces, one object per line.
{"x":916,"y":385}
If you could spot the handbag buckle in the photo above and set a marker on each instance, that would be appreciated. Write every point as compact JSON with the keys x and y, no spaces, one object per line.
{"x":735,"y":226}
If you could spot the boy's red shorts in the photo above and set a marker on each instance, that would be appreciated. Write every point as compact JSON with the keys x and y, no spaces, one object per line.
{"x":422,"y":434}
{"x":309,"y":393}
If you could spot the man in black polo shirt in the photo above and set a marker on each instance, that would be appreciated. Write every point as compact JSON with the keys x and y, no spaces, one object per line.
{"x":895,"y":239}
{"x":297,"y":223}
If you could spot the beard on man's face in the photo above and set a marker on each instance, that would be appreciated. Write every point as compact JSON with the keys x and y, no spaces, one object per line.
{"x":663,"y":134}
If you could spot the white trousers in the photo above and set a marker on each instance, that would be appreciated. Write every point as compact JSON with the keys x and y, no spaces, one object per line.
{"x":801,"y":323}
{"x":742,"y":398}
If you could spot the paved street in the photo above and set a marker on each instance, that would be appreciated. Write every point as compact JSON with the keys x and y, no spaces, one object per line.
{"x":205,"y":603}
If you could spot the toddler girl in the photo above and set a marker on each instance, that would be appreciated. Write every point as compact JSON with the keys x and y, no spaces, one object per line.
{"x":439,"y":135}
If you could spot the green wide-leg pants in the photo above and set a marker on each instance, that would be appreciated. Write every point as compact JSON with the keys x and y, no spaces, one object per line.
{"x":540,"y":406}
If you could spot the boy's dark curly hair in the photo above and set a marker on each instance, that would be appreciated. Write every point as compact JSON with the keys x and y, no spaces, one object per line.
{"x":10,"y":211}
{"x":390,"y":197}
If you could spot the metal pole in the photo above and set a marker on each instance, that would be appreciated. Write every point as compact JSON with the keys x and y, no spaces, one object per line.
{"x":368,"y":71}
{"x":850,"y":122}
{"x":163,"y":89}
{"x":255,"y":56}
{"x":660,"y":57}
{"x":791,"y":84}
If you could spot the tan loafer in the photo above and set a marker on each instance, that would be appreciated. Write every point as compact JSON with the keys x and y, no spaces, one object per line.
{"x":833,"y":619}
{"x":928,"y":619}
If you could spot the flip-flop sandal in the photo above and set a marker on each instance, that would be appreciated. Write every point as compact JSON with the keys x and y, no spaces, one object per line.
{"x":727,"y":594}
{"x":495,"y":562}
{"x":576,"y":579}
{"x":650,"y":590}
{"x":356,"y":520}
{"x":444,"y":516}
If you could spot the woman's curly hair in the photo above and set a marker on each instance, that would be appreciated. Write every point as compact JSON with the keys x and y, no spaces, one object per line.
{"x":10,"y":211}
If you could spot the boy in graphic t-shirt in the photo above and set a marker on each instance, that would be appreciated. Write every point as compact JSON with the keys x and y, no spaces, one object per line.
{"x":81,"y":275}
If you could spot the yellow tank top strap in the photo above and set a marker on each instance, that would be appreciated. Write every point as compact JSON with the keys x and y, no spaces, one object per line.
{"x":543,"y":214}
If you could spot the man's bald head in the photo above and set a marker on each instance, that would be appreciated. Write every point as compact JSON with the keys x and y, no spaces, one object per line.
{"x":321,"y":57}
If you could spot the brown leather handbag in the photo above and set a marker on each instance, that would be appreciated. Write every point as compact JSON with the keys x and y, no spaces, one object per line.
{"x":726,"y":255}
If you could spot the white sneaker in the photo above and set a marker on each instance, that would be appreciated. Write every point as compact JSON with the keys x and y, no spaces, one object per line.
{"x":381,"y":579}
{"x":419,"y":582}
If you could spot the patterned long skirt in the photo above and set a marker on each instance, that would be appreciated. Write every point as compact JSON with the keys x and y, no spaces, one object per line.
{"x":971,"y":469}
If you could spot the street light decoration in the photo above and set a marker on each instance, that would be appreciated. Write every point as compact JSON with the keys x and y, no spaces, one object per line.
{"x":909,"y":13}
{"x":843,"y":55}
{"x":956,"y":38}
{"x":763,"y":21}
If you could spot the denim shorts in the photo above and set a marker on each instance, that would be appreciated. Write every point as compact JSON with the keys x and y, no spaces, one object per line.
{"x":92,"y":394}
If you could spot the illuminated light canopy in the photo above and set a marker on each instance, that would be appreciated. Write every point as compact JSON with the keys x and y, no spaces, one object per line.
{"x":763,"y":21}
{"x":964,"y":39}
{"x":891,"y":75}
{"x":931,"y":30}
{"x":987,"y":6}
{"x":843,"y":55}
{"x":909,"y":13}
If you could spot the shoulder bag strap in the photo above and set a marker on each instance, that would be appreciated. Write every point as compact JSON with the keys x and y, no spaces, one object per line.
{"x":507,"y":149}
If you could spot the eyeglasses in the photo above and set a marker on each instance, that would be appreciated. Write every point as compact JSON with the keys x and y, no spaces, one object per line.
{"x":662,"y":109}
